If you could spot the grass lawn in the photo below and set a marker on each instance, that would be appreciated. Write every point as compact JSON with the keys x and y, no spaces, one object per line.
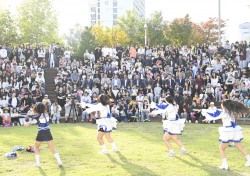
{"x":142,"y":152}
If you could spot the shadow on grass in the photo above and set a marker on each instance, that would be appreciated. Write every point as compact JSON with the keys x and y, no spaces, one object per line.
{"x":63,"y":172}
{"x":42,"y":172}
{"x":211,"y":170}
{"x":132,"y":168}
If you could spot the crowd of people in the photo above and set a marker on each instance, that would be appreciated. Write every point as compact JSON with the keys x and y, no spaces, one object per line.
{"x":22,"y":82}
{"x":197,"y":76}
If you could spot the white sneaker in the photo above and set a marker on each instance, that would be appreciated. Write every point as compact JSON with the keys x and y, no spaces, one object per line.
{"x":247,"y":164}
{"x":115,"y":149}
{"x":53,"y":121}
{"x":171,"y":154}
{"x":224,"y":167}
{"x":58,"y":122}
{"x":37,"y":165}
{"x":185,"y":152}
{"x":213,"y":121}
{"x":104,"y":152}
{"x":189,"y":121}
{"x":196,"y":121}
{"x":59,"y":163}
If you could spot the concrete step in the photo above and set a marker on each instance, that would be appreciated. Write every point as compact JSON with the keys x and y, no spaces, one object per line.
{"x":243,"y":121}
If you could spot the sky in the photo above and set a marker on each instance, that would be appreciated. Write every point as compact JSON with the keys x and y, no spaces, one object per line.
{"x":71,"y":12}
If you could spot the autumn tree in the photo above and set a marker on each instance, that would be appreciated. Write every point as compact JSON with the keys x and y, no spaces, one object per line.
{"x":179,"y":31}
{"x":117,"y":35}
{"x":37,"y":22}
{"x":109,"y":36}
{"x":100,"y":34}
{"x":197,"y":35}
{"x":210,"y":29}
{"x":8,"y":28}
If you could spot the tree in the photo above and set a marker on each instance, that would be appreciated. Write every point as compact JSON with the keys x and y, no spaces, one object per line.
{"x":8,"y":28}
{"x":109,"y":36}
{"x":179,"y":31}
{"x":133,"y":26}
{"x":198,"y":34}
{"x":74,"y":36}
{"x":100,"y":34}
{"x":37,"y":22}
{"x":155,"y":29}
{"x":211,"y":29}
{"x":117,"y":35}
{"x":87,"y":42}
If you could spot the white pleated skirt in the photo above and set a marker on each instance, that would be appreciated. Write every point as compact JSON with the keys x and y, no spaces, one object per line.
{"x":173,"y":127}
{"x":106,"y":124}
{"x":230,"y":134}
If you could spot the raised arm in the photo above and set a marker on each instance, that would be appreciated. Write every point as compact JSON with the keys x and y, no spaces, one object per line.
{"x":218,"y":114}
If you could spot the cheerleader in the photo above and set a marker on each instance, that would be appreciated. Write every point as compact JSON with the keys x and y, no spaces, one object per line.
{"x":105,"y":123}
{"x":172,"y":127}
{"x":230,"y":132}
{"x":44,"y":135}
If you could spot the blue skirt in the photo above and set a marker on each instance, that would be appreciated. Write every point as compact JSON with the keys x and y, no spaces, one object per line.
{"x":44,"y":136}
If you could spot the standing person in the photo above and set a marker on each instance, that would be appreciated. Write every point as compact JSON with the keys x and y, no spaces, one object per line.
{"x":44,"y":134}
{"x":172,"y":127}
{"x":231,"y":131}
{"x":105,"y":123}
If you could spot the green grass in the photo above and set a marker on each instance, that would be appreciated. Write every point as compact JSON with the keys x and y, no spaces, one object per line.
{"x":142,"y":152}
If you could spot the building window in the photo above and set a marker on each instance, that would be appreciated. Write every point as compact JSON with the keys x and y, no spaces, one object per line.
{"x":114,"y":16}
{"x":98,"y":16}
{"x":114,"y":23}
{"x":106,"y":2}
{"x":114,"y":3}
{"x":114,"y":10}
{"x":98,"y":4}
{"x":92,"y":9}
{"x":93,"y":16}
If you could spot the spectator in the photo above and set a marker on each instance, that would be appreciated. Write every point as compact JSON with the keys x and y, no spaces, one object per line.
{"x":55,"y":112}
{"x":145,"y":112}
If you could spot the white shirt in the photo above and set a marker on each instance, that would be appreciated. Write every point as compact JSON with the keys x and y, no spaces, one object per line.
{"x":14,"y":102}
{"x":3,"y":53}
{"x":41,"y":53}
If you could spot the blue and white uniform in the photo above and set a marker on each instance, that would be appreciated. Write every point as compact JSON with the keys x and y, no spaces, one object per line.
{"x":231,"y":131}
{"x":44,"y":133}
{"x":105,"y":123}
{"x":173,"y":125}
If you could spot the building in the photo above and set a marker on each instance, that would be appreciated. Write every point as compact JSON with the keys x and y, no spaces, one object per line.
{"x":244,"y":31}
{"x":106,"y":12}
